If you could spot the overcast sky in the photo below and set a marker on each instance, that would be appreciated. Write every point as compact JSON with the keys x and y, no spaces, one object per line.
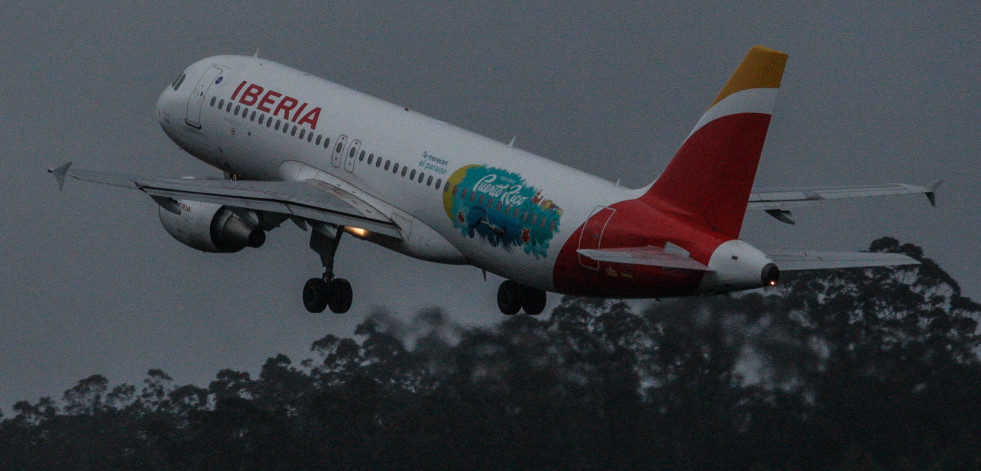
{"x":91,"y":283}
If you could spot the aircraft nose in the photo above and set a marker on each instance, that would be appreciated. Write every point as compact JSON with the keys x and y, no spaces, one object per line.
{"x":164,"y":108}
{"x":168,"y":104}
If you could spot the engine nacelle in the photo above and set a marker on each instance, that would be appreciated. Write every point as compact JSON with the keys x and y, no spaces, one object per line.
{"x":212,"y":227}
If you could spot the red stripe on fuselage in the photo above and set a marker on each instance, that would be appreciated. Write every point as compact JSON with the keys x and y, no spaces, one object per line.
{"x":633,"y":224}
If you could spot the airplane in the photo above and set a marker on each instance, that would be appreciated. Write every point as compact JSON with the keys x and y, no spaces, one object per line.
{"x":294,"y":147}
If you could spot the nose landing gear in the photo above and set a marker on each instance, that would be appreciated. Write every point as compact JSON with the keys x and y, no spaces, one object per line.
{"x":327,"y":291}
{"x":512,"y":297}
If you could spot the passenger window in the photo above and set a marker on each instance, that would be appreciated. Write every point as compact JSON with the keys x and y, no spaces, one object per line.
{"x":351,"y":153}
{"x":429,"y":181}
{"x":236,"y":109}
{"x":534,"y":219}
{"x":387,"y":163}
{"x":277,"y":124}
{"x":371,"y":158}
{"x":319,"y":138}
{"x":378,"y":163}
{"x":326,"y":142}
{"x":252,"y":116}
{"x":395,"y":168}
{"x":213,"y":101}
{"x":481,"y":200}
{"x":261,"y":118}
{"x":404,"y":169}
{"x":499,"y":205}
{"x":340,"y":145}
{"x":221,"y":103}
{"x":310,"y":137}
{"x":412,"y":174}
{"x":286,"y":128}
{"x":293,"y":133}
{"x":361,"y":156}
{"x":439,"y":183}
{"x":302,"y":133}
{"x":551,"y":225}
{"x":228,"y":107}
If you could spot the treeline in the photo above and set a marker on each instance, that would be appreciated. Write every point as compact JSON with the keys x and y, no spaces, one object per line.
{"x":855,"y":369}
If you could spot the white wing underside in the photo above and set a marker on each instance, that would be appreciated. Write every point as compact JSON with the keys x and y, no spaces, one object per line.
{"x":309,"y":200}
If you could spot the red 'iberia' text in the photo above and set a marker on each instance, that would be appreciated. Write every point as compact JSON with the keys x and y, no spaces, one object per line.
{"x":276,"y":104}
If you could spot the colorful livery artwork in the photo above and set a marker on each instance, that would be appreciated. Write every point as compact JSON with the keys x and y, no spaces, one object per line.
{"x":500,"y":207}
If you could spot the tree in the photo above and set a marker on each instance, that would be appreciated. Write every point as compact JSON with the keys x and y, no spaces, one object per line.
{"x":852,"y":369}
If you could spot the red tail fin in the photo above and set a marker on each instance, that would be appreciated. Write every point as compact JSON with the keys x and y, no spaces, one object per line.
{"x":711,"y":176}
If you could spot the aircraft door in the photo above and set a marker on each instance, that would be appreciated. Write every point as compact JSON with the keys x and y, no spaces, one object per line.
{"x":351,"y":155}
{"x":591,"y":236}
{"x":196,"y":100}
{"x":338,"y":154}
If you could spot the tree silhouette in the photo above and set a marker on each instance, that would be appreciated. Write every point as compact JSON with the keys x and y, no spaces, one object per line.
{"x":852,"y":369}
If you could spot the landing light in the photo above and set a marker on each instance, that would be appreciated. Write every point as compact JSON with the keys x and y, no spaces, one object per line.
{"x":356,"y":231}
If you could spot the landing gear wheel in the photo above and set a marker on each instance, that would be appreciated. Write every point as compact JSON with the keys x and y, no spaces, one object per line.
{"x":315,"y":295}
{"x":533,"y":301}
{"x":339,"y":295}
{"x":509,"y":297}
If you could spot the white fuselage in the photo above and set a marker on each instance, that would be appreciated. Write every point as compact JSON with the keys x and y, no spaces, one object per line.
{"x":368,"y":128}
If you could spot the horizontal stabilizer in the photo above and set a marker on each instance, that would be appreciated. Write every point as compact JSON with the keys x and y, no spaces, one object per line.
{"x":650,"y":256}
{"x":788,"y":260}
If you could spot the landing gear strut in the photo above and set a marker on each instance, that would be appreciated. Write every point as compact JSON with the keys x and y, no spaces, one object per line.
{"x":512,"y":297}
{"x":327,"y":291}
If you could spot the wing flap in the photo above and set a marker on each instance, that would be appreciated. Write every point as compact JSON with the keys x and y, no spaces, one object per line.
{"x":649,"y":256}
{"x":788,"y":260}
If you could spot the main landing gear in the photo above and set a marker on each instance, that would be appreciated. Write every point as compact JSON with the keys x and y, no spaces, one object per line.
{"x":327,"y":291}
{"x":512,"y":297}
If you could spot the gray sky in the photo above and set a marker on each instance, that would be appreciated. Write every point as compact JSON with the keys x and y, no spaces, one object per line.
{"x":91,"y":283}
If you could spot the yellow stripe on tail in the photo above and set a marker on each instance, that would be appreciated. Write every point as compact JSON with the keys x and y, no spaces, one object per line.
{"x":761,"y":68}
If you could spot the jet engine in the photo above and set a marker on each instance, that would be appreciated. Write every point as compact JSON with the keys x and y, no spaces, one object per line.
{"x":212,"y":227}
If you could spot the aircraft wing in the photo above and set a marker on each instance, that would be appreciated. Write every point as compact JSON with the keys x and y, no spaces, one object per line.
{"x":778,"y":202}
{"x":311,"y":200}
{"x":649,"y":255}
{"x":787,"y":260}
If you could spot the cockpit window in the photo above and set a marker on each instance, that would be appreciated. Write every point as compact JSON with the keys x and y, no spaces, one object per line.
{"x":177,"y":82}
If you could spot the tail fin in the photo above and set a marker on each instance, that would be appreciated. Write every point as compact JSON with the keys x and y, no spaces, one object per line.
{"x":711,"y":176}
